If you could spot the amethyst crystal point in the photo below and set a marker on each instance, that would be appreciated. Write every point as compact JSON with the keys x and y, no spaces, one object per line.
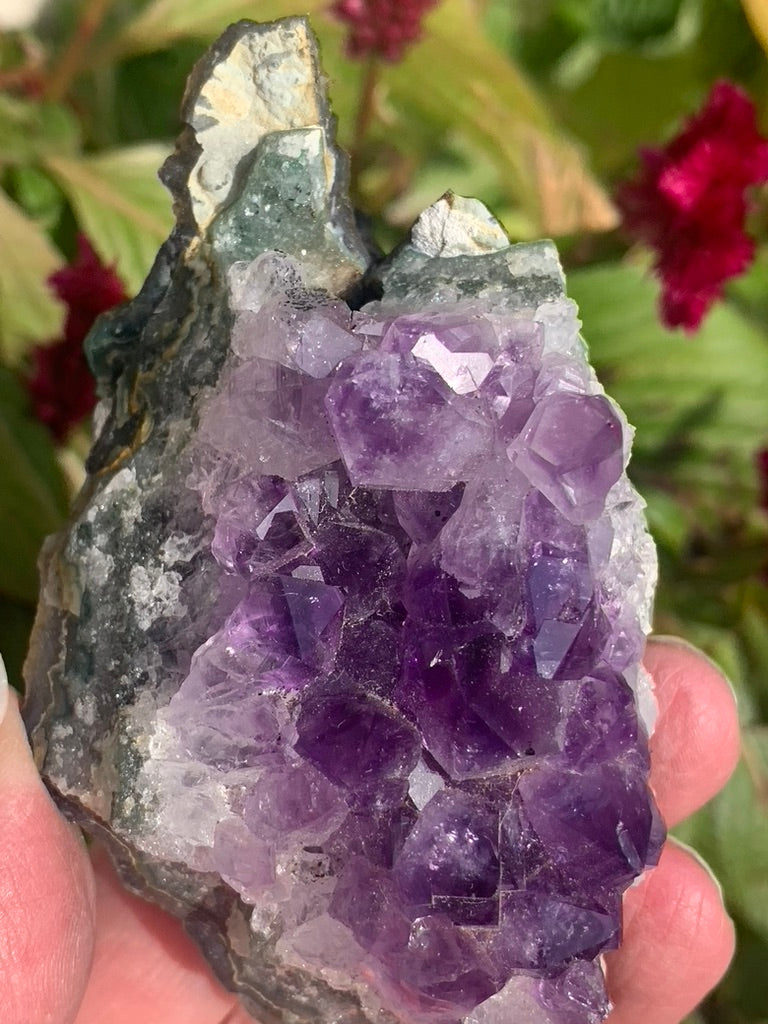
{"x":340,"y":653}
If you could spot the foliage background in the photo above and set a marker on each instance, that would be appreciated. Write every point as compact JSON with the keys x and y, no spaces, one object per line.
{"x":535,"y":106}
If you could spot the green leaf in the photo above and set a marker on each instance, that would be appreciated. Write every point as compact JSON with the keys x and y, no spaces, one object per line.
{"x":698,"y":403}
{"x":30,"y":129}
{"x":748,"y":291}
{"x":638,"y":97}
{"x":666,"y":519}
{"x":143,"y":101}
{"x":17,"y":120}
{"x":753,"y":634}
{"x":33,"y":498}
{"x":627,"y":101}
{"x":742,"y":997}
{"x":16,"y":620}
{"x":629,"y":22}
{"x":29,"y":310}
{"x":538,"y":32}
{"x":120,"y":205}
{"x":39,"y":197}
{"x":757,"y":15}
{"x":647,"y":28}
{"x":164,"y":21}
{"x":727,"y":47}
{"x":740,"y":819}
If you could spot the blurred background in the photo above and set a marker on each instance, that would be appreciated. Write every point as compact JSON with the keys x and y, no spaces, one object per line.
{"x":537,"y":107}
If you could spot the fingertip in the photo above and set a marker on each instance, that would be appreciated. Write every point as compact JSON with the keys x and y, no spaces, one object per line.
{"x":695,"y":746}
{"x":678,"y":943}
{"x":46,"y":893}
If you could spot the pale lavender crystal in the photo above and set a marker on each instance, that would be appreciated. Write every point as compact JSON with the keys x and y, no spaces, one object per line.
{"x":342,"y":649}
{"x":243,"y":861}
{"x":291,"y":799}
{"x":570,"y":448}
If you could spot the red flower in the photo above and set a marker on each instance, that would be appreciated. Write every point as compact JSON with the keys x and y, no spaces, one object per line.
{"x":689,"y":204}
{"x":61,"y":387}
{"x":382,"y":27}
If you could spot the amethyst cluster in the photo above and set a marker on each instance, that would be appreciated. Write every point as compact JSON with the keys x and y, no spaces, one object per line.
{"x":339,"y":654}
{"x":422,"y":699}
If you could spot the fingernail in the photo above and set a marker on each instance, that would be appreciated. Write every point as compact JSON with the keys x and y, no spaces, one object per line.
{"x":693,"y":852}
{"x":3,"y":690}
{"x":676,"y":641}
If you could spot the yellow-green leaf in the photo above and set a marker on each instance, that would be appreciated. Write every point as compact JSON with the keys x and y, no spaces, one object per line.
{"x":29,"y":310}
{"x":757,"y":16}
{"x":120,"y":205}
{"x":475,"y":91}
{"x":482,"y":94}
{"x":162,"y":22}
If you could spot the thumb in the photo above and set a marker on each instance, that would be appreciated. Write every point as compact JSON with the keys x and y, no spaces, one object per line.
{"x":46,"y":890}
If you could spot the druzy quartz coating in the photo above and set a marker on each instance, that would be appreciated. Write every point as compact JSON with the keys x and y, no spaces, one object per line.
{"x":340,"y":654}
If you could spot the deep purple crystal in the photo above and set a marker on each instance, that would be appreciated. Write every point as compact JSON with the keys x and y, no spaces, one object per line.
{"x":424,"y":681}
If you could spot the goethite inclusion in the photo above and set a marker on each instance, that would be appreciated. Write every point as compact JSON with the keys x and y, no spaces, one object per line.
{"x":353,"y":607}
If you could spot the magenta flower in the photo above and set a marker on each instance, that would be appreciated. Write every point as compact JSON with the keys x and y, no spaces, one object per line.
{"x":689,"y":203}
{"x":383,"y":28}
{"x":61,"y":388}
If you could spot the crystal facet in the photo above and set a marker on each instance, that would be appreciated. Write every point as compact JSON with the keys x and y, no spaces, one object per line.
{"x":340,"y":654}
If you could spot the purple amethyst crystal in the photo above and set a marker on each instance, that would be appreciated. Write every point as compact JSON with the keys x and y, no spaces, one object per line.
{"x":372,"y":588}
{"x":465,"y":548}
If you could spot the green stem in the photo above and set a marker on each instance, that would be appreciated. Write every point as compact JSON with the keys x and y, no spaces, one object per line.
{"x":366,"y":110}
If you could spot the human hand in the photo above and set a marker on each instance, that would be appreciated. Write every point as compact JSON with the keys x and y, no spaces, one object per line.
{"x":76,"y":948}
